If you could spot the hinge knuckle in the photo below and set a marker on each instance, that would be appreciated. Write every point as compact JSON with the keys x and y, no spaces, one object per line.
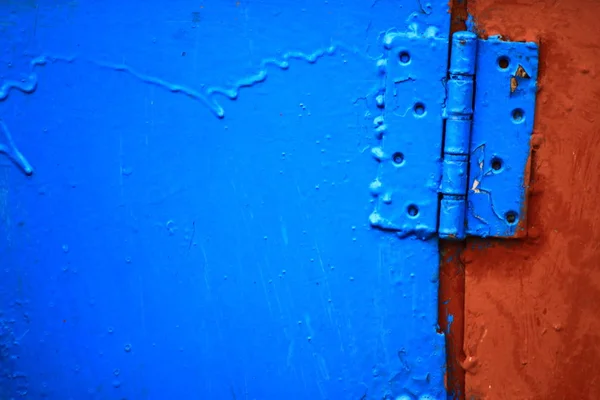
{"x":463,"y":53}
{"x":460,"y":95}
{"x":452,"y":212}
{"x":458,"y":135}
{"x":454,"y":175}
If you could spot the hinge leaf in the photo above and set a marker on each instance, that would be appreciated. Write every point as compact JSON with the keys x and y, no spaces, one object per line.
{"x":409,"y":127}
{"x":505,"y":94}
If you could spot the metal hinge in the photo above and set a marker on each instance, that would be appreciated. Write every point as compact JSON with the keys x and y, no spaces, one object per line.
{"x":455,"y":140}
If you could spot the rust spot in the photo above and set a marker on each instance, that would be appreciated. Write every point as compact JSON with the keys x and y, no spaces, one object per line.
{"x":514,"y":84}
{"x":521,"y":73}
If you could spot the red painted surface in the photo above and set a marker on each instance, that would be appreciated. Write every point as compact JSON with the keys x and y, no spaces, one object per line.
{"x":532,"y":319}
{"x":452,"y":302}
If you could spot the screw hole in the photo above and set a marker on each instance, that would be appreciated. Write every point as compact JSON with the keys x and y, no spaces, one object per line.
{"x":496,"y":164}
{"x":503,"y":62}
{"x":419,"y":109}
{"x":412,"y":210}
{"x":518,"y":115}
{"x":404,"y":57}
{"x":511,"y":217}
{"x":398,"y":158}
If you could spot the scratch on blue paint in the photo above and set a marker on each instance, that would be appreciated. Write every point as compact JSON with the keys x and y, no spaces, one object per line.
{"x":450,"y":319}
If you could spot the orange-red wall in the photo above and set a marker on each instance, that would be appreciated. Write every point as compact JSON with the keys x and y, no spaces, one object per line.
{"x":532,"y":308}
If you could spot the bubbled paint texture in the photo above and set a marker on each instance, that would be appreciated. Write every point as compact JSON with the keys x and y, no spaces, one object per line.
{"x":195,"y":223}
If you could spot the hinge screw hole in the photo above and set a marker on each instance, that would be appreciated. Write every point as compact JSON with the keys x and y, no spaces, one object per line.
{"x":398,"y":158}
{"x":404,"y":57}
{"x":511,"y":217}
{"x":503,"y":62}
{"x":419,"y":109}
{"x":518,"y":115}
{"x":496,"y":164}
{"x":412,"y":210}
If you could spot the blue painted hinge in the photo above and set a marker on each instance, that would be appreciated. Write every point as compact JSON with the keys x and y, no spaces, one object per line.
{"x":454,"y":153}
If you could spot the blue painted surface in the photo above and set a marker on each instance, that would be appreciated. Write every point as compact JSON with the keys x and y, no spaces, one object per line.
{"x":196,"y":220}
{"x":506,"y":87}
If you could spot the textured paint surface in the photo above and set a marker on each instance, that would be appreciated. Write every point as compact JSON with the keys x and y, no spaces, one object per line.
{"x":196,"y":219}
{"x":532,"y":326}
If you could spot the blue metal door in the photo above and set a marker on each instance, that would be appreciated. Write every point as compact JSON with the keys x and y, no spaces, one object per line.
{"x":186,"y":200}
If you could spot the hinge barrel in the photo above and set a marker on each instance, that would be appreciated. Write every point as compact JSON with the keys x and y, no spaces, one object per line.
{"x":457,"y":136}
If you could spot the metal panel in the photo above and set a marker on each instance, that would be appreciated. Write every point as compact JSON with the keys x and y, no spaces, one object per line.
{"x":502,"y":124}
{"x":196,"y":224}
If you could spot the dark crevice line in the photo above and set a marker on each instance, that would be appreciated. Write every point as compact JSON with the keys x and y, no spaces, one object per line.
{"x":452,"y":272}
